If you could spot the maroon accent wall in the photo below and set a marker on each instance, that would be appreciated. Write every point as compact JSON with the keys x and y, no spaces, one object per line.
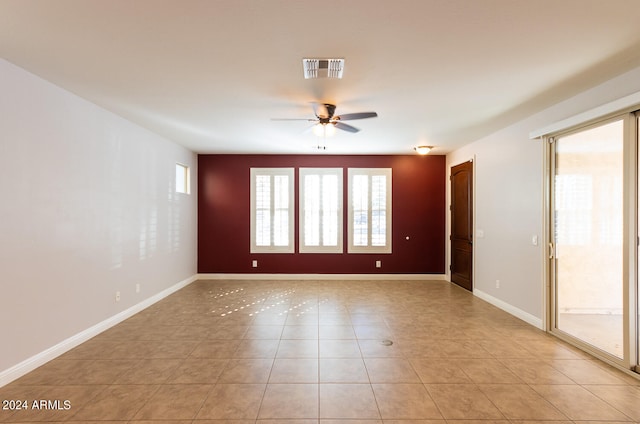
{"x":418,"y":184}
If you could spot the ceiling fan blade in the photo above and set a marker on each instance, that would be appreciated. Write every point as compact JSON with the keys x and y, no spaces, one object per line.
{"x":294,"y":119}
{"x":360,"y":115}
{"x":346,"y":127}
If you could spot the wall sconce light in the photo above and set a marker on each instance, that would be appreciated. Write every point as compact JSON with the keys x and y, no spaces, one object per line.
{"x":423,"y":150}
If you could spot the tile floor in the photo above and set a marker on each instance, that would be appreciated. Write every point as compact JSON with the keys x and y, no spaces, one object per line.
{"x":311,"y":352}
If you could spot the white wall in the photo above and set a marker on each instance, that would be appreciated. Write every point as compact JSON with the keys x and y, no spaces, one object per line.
{"x":87,"y":208}
{"x":509,"y":178}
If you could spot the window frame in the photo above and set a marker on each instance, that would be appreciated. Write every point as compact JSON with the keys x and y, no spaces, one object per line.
{"x":370,"y":172}
{"x":273,"y":172}
{"x":302,"y":246}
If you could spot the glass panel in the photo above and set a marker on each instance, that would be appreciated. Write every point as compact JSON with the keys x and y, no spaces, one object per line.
{"x":281,"y":228}
{"x":263,"y":226}
{"x":360,"y":210}
{"x":312,"y":210}
{"x":181,"y":178}
{"x":263,"y":210}
{"x":588,"y":236}
{"x":281,"y":210}
{"x":378,"y":210}
{"x":330,"y":210}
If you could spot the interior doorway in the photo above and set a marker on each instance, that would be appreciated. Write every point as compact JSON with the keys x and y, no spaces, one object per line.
{"x":462,"y":225}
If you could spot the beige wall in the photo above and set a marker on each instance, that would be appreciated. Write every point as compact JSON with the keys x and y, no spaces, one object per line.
{"x":509,"y":208}
{"x":88,"y":208}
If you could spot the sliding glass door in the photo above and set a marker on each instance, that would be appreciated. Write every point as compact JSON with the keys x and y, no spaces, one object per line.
{"x":587,"y":191}
{"x":594,"y":256}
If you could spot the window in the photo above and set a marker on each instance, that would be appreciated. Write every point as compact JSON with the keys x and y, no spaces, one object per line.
{"x":182,"y":179}
{"x":272,"y":220}
{"x":321,"y":210}
{"x":369,"y":210}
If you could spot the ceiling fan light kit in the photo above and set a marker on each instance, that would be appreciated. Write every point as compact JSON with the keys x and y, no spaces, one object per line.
{"x":324,"y":130}
{"x":322,"y":68}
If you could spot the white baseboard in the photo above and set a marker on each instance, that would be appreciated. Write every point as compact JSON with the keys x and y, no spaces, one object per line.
{"x":518,"y":313}
{"x":251,"y":276}
{"x":30,"y":364}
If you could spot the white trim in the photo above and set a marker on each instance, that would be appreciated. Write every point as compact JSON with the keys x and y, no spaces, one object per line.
{"x":320,"y":172}
{"x":30,"y":364}
{"x":601,"y":111}
{"x":370,"y":172}
{"x":273,"y":172}
{"x":518,"y":313}
{"x":419,"y":277}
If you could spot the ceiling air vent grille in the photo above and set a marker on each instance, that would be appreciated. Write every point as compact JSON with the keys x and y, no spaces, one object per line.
{"x":323,"y":68}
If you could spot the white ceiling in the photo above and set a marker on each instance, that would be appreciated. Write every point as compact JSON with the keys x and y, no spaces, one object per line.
{"x":210,"y":74}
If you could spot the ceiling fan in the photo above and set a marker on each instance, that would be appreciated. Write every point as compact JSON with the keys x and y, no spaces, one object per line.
{"x":326,"y":119}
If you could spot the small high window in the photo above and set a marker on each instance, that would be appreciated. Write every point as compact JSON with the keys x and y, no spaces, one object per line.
{"x":182,"y":179}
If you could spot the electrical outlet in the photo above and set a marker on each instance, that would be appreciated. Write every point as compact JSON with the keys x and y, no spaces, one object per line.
{"x":497,"y":284}
{"x":254,"y":263}
{"x":378,"y":264}
{"x":117,"y":296}
{"x":137,"y":288}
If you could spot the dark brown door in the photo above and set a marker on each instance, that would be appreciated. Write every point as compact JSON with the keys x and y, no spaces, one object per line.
{"x":462,"y":225}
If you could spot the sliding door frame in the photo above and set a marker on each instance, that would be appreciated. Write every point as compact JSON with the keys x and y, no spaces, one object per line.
{"x":630,"y":242}
{"x":632,"y":292}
